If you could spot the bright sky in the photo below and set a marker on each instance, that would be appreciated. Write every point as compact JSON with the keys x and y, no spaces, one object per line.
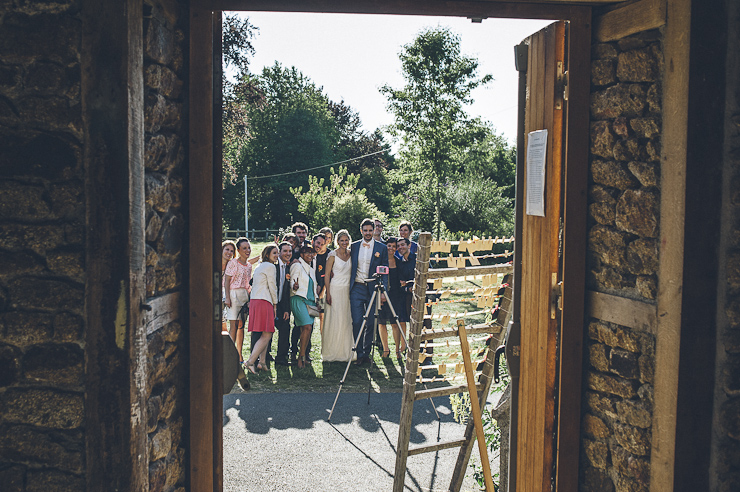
{"x":351,"y":56}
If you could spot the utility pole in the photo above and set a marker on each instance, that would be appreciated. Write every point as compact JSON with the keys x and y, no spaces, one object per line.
{"x":246,"y":210}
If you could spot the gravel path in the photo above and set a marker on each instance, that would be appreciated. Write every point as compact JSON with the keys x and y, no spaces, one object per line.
{"x":282,"y":442}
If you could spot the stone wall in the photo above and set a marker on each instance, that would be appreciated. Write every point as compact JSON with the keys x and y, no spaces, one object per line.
{"x":164,"y":126}
{"x":725,"y":465}
{"x":624,"y":197}
{"x":42,"y":237}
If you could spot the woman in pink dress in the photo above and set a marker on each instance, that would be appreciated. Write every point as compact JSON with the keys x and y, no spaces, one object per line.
{"x":237,"y":275}
{"x":262,"y":304}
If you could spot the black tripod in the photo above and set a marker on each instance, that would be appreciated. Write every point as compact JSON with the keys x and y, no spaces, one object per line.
{"x":372,"y":305}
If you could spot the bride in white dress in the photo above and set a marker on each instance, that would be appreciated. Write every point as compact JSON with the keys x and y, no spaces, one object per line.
{"x":336,"y":339}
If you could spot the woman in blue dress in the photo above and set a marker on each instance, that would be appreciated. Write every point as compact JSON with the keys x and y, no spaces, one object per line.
{"x":303,"y":294}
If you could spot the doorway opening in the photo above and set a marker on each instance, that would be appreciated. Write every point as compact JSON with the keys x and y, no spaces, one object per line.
{"x":207,"y":147}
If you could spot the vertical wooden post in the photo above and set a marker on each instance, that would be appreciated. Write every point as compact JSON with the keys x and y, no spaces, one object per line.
{"x":412,"y":359}
{"x":475,"y":408}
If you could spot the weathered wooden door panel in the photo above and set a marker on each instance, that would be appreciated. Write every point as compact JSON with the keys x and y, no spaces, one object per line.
{"x":541,"y":267}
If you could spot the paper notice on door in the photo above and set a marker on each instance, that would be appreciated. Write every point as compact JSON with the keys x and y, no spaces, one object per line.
{"x":536,"y":158}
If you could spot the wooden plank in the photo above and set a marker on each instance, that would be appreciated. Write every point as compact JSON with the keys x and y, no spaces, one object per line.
{"x":574,"y":253}
{"x":629,"y":19}
{"x":447,"y":390}
{"x":469,"y":271}
{"x":622,"y":311}
{"x":475,"y":408}
{"x":452,"y":332}
{"x":112,"y":100}
{"x":412,"y":361}
{"x":201,"y":268}
{"x":164,"y":310}
{"x":430,"y":448}
{"x":673,"y":159}
{"x":531,"y":9}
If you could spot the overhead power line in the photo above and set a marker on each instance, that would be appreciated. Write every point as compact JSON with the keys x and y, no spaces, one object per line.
{"x":317,"y":167}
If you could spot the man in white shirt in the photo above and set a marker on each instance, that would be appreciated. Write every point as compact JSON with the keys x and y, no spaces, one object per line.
{"x":366,"y":254}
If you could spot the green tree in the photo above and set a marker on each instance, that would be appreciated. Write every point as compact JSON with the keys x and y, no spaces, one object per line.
{"x":429,"y":110}
{"x":289,"y":129}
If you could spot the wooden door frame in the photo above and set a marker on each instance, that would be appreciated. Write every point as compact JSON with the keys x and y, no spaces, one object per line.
{"x":205,"y":428}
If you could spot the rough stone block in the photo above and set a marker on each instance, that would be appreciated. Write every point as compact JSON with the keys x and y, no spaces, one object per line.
{"x":157,"y":192}
{"x":647,"y":173}
{"x":67,"y":263}
{"x":602,"y":139}
{"x":46,"y":480}
{"x":25,"y":328}
{"x":637,"y":65}
{"x":603,"y":213}
{"x":17,"y":264}
{"x":13,"y":478}
{"x":633,"y":439}
{"x":611,"y":385}
{"x":43,"y":154}
{"x":642,"y":257}
{"x":67,"y":201}
{"x":614,"y":336}
{"x":152,"y":258}
{"x":160,"y":443}
{"x":614,"y":174}
{"x":37,"y":238}
{"x":68,"y":328}
{"x":595,"y":427}
{"x":172,"y":332}
{"x":46,"y":294}
{"x":162,"y":114}
{"x":599,"y":356}
{"x":603,"y":72}
{"x":634,"y":413}
{"x":597,"y":453}
{"x":43,"y":407}
{"x":163,"y":80}
{"x":603,"y":51}
{"x":627,"y":465}
{"x":652,"y":150}
{"x":9,"y":365}
{"x":618,"y":100}
{"x":607,"y":278}
{"x":153,"y":408}
{"x":645,"y":127}
{"x":55,"y":364}
{"x":623,"y":363}
{"x":607,"y":245}
{"x":52,"y":113}
{"x":595,"y":480}
{"x":175,"y":472}
{"x":23,"y":203}
{"x":645,"y":392}
{"x":730,"y":417}
{"x":629,"y":149}
{"x":637,"y":213}
{"x":169,"y":400}
{"x":61,"y":450}
{"x":155,"y":344}
{"x":23,"y":37}
{"x":171,"y":237}
{"x":647,"y":368}
{"x":654,"y":95}
{"x":627,"y":485}
{"x":153,"y":226}
{"x":157,"y":476}
{"x":159,"y":42}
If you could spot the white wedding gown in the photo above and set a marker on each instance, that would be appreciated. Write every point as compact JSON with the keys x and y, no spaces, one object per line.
{"x":336,"y":341}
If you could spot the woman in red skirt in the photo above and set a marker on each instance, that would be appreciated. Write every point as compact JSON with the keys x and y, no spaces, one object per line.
{"x":262,"y":306}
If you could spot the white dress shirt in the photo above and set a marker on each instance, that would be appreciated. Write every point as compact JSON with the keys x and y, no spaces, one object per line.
{"x":283,"y":268}
{"x":364,"y":256}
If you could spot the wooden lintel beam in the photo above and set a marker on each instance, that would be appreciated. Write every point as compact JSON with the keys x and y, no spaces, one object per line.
{"x":629,"y":19}
{"x":531,"y":9}
{"x":626,"y":312}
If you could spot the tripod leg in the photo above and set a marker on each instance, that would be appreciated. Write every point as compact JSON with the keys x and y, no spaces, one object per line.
{"x":349,"y":362}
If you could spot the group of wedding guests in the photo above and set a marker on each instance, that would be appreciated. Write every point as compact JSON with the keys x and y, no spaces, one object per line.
{"x":297,"y":275}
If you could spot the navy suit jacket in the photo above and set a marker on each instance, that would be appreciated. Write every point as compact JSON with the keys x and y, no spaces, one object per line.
{"x":283,"y":304}
{"x":379,"y":257}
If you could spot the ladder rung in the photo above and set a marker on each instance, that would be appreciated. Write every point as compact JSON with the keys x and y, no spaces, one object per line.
{"x":447,"y":390}
{"x":428,"y":448}
{"x":452,"y":332}
{"x":469,"y":271}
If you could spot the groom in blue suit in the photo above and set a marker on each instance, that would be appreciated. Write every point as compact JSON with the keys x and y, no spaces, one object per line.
{"x":367,"y":254}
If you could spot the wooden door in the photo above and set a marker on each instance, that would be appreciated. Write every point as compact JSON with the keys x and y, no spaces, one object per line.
{"x":541,"y":264}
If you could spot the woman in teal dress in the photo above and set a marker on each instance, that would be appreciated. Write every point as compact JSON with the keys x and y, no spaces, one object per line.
{"x":303,"y":293}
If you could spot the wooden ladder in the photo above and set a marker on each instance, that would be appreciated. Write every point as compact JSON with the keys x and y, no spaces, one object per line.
{"x":478,"y":392}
